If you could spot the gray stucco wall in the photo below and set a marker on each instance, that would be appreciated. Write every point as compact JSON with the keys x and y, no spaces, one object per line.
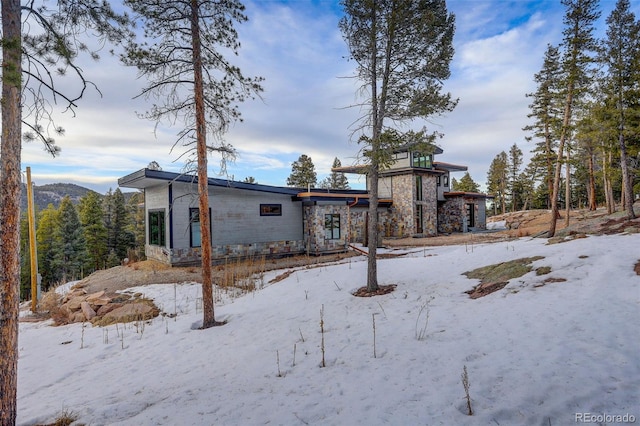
{"x":235,"y":216}
{"x":237,"y":228}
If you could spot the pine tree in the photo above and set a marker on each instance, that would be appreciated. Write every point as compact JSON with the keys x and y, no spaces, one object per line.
{"x":72,"y":254}
{"x":136,"y":223}
{"x":124,"y":239}
{"x":546,"y":112}
{"x":119,"y":237}
{"x":48,"y":47}
{"x":621,"y":56}
{"x":466,"y":184}
{"x":48,"y":246}
{"x":303,"y":173}
{"x":402,"y":51}
{"x":336,"y":180}
{"x":25,"y":259}
{"x":94,"y":230}
{"x":185,"y":58}
{"x":498,"y":180}
{"x":579,"y":45}
{"x":515,"y":187}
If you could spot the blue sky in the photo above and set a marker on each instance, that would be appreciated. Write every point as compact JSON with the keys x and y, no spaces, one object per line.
{"x":297,"y":47}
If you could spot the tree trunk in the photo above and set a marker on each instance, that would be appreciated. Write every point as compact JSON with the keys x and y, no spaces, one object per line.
{"x":372,"y":231}
{"x":627,"y":188}
{"x":549,"y":176}
{"x":608,"y":190}
{"x":567,"y":189}
{"x":10,"y":209}
{"x":377,"y":109}
{"x":203,"y":180}
{"x":593,"y":205}
{"x":556,"y":179}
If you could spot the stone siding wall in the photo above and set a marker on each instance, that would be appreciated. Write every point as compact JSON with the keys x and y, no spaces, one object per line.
{"x":450,"y":215}
{"x":314,"y":231}
{"x":220,"y":253}
{"x":430,"y":205}
{"x":161,"y":254}
{"x":357,"y":223}
{"x":402,"y":219}
{"x":401,"y":222}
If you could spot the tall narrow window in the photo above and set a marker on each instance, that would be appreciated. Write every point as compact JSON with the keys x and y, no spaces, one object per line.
{"x":157,"y":229}
{"x":419,"y":217}
{"x":332,"y":226}
{"x":419,"y":196}
{"x":194,"y":227}
{"x":195,"y":234}
{"x":446,"y":181}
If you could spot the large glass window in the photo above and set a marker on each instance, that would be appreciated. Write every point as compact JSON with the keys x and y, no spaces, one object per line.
{"x":157,"y":229}
{"x":332,"y":226}
{"x":421,"y":160}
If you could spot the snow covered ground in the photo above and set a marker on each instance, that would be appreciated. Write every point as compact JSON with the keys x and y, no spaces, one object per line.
{"x":535,"y":354}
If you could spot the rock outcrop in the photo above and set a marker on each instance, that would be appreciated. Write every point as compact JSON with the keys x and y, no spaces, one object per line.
{"x":102,"y":308}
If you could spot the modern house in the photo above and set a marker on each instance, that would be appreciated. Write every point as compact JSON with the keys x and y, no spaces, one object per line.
{"x":255,"y":220}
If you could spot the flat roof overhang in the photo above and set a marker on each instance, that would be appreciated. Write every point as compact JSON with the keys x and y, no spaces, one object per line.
{"x":452,"y":194}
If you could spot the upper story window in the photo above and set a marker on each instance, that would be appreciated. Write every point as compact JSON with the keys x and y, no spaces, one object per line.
{"x":421,"y":160}
{"x":418,"y":188}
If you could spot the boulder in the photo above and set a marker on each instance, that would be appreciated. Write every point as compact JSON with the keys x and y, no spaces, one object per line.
{"x":104,"y":300}
{"x":105,"y":309}
{"x":77,"y":317}
{"x":95,"y":296}
{"x":88,"y":312}
{"x":129,"y":312}
{"x":75,"y":302}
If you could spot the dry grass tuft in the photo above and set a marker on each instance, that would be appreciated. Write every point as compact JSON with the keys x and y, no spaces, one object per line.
{"x":66,"y":418}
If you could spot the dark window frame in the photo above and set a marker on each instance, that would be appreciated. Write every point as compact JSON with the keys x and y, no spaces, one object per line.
{"x":194,"y":223}
{"x":419,"y":219}
{"x":420,"y":160}
{"x":157,"y":232}
{"x":419,"y":188}
{"x":270,"y":209}
{"x":331,"y":231}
